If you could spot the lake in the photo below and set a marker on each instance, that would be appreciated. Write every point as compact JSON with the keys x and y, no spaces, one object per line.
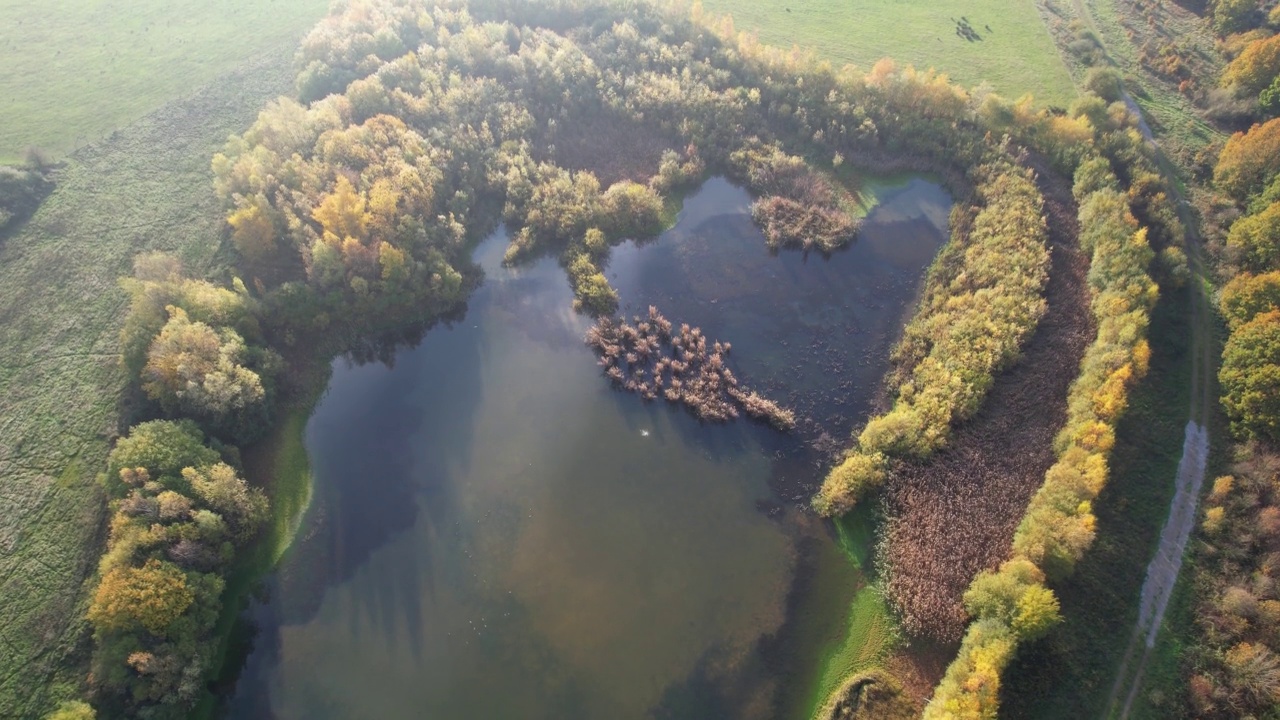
{"x":497,"y":532}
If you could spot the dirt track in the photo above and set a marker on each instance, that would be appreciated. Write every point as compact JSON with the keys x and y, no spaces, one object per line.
{"x":1162,"y":572}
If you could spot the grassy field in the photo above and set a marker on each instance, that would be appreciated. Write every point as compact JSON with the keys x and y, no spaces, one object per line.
{"x":1016,"y":55}
{"x":1070,"y":673}
{"x":61,"y":388}
{"x":77,"y":70}
{"x":1173,"y":118}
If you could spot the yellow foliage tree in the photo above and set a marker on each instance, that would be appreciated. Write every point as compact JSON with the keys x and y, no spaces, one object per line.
{"x":152,"y":597}
{"x":253,"y":230}
{"x":342,"y":213}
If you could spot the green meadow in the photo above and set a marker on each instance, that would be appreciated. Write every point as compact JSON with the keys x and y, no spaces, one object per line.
{"x":78,"y":70}
{"x":1016,"y":55}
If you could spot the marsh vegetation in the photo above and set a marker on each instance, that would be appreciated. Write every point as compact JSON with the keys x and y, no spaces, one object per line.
{"x":653,"y":358}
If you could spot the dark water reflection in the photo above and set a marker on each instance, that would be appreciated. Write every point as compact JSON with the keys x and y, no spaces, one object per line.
{"x":496,"y":533}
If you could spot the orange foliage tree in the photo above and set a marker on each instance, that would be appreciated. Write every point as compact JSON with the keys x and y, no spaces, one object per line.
{"x":1256,"y":67}
{"x":1249,"y":160}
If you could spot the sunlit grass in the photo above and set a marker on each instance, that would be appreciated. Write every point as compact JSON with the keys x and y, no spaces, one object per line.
{"x":1016,"y":55}
{"x":63,"y":388}
{"x":76,"y":70}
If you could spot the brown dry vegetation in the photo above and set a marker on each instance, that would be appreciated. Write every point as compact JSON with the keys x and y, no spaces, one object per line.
{"x":652,"y":358}
{"x":612,"y":149}
{"x":955,"y":515}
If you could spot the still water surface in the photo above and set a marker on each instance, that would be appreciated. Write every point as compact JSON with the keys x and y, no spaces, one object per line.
{"x":495,"y":532}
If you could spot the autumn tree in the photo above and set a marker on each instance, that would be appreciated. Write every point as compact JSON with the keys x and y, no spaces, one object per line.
{"x":1250,"y":376}
{"x":254,"y":230}
{"x":244,"y":508}
{"x":195,"y":369}
{"x":1255,"y":68}
{"x":157,"y":283}
{"x":1255,"y":240}
{"x":1249,"y":160}
{"x":1248,"y":296}
{"x":151,"y":597}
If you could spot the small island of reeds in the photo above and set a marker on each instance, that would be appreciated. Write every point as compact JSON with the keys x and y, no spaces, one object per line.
{"x":651,"y":357}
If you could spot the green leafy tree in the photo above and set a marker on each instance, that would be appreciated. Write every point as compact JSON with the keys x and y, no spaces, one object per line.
{"x":1269,"y":99}
{"x":1250,"y":377}
{"x":1233,"y":16}
{"x":630,"y":209}
{"x":163,"y":448}
{"x":1016,"y":595}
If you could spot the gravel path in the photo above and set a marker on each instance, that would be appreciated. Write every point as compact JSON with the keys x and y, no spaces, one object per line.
{"x":1162,"y":573}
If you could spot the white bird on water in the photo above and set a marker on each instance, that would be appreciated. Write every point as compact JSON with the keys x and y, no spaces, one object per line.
{"x":644,"y":433}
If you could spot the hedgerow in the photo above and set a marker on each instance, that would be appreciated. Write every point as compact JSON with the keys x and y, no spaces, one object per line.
{"x":983,"y":298}
{"x":1059,"y":524}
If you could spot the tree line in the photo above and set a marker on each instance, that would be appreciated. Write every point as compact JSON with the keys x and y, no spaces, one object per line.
{"x":1232,"y":664}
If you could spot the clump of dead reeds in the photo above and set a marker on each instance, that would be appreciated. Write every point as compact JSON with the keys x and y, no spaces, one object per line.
{"x":652,"y":358}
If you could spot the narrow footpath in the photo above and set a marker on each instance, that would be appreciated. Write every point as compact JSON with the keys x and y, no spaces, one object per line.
{"x":1162,"y":572}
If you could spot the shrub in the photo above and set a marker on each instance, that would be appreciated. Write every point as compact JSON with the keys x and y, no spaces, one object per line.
{"x":630,"y":210}
{"x":970,"y":690}
{"x":1104,"y":82}
{"x":72,"y":710}
{"x":855,"y":476}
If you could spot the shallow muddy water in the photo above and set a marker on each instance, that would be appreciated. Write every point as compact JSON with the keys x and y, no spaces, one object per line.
{"x":496,"y":532}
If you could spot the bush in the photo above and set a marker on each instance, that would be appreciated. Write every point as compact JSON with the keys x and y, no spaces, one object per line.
{"x":72,"y":710}
{"x":971,"y":688}
{"x":630,"y":210}
{"x":21,"y":191}
{"x":1104,"y":82}
{"x":855,"y":476}
{"x":1013,"y":605}
{"x":1059,"y":523}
